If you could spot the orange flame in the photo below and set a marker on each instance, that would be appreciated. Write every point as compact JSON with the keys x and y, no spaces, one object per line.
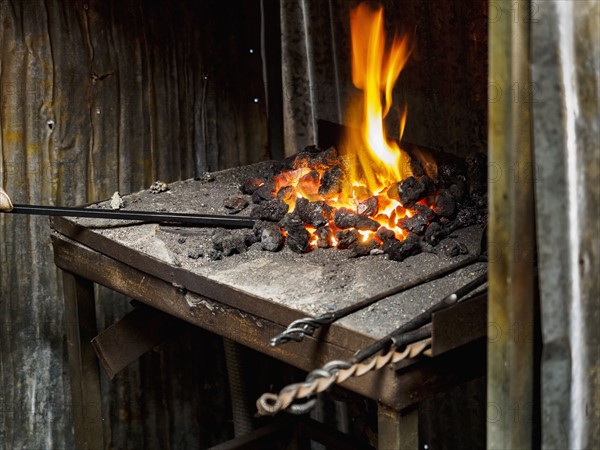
{"x":372,"y":162}
{"x":375,"y":70}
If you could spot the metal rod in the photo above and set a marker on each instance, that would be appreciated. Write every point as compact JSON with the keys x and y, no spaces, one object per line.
{"x":306,"y":326}
{"x":144,"y":216}
{"x":396,"y":336}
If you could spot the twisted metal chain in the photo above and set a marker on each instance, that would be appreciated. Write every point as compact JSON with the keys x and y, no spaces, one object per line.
{"x":320,"y":380}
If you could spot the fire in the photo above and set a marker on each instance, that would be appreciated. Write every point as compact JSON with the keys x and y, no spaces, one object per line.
{"x":375,"y":70}
{"x":372,"y":164}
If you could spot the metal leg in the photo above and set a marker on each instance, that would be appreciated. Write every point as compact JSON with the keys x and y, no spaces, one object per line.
{"x":398,"y":430}
{"x":80,"y":317}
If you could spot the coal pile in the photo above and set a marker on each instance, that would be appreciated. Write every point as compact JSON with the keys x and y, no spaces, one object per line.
{"x":298,"y":208}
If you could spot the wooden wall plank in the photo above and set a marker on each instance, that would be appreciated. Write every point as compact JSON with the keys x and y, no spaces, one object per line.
{"x":98,"y":96}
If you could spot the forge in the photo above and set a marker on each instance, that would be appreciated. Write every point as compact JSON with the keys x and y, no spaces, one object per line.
{"x":311,"y":282}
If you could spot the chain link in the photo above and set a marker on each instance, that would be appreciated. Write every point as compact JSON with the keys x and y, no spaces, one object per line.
{"x":298,"y":329}
{"x":321,"y":379}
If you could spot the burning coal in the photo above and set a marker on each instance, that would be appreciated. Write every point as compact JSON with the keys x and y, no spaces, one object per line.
{"x":301,"y":207}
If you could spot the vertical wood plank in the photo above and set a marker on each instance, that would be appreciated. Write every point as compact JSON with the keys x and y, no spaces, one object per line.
{"x":80,"y":317}
{"x":511,"y":297}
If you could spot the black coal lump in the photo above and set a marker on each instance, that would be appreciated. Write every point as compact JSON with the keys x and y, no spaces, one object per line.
{"x":331,"y":181}
{"x":428,"y":248}
{"x":235,"y":204}
{"x":360,"y":248}
{"x":415,"y":224}
{"x":271,"y":238}
{"x":389,"y":243}
{"x":366,"y":223}
{"x":399,"y":251}
{"x":450,"y":247}
{"x":434,"y":233}
{"x":228,"y":243}
{"x":467,"y":215}
{"x":385,"y":234}
{"x":326,"y":158}
{"x":286,"y":194}
{"x":324,"y":237}
{"x":298,"y":240}
{"x":272,"y":210}
{"x":345,"y":218}
{"x":258,"y":227}
{"x":445,"y":206}
{"x":312,"y":213}
{"x":450,"y":170}
{"x":235,"y":245}
{"x":251,"y":185}
{"x":457,"y":190}
{"x":297,"y":237}
{"x":313,"y":157}
{"x":428,"y":185}
{"x":410,"y":191}
{"x":264,"y":193}
{"x":346,"y":238}
{"x":250,"y":239}
{"x":424,"y":210}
